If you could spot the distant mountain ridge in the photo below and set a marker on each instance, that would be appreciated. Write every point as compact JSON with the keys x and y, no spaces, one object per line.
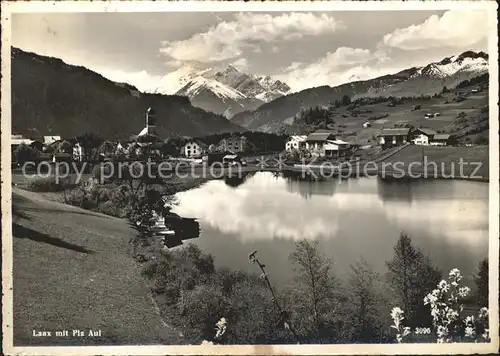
{"x":425,"y":80}
{"x":52,"y":97}
{"x":224,"y":90}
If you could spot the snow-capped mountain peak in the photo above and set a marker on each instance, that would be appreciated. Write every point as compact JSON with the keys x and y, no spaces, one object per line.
{"x":199,"y":83}
{"x":237,"y":90}
{"x":466,"y":62}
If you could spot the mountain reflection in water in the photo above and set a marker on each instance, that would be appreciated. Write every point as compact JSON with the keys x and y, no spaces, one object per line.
{"x":448,"y":220}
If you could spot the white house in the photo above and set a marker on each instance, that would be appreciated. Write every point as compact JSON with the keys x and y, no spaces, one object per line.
{"x":47,"y":140}
{"x":296,"y":143}
{"x":421,"y":139}
{"x":367,"y":124}
{"x":194,"y":148}
{"x":78,"y":152}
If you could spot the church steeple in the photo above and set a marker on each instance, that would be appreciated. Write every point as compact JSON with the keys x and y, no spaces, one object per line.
{"x":151,"y":121}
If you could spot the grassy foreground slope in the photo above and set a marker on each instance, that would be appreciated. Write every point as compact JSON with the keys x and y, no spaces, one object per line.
{"x":72,"y":271}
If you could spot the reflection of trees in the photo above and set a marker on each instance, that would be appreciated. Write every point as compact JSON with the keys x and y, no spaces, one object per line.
{"x":309,"y":188}
{"x":237,"y":179}
{"x":394,"y":189}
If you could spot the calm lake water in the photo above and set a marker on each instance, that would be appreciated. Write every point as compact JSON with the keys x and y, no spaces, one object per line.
{"x":364,"y":217}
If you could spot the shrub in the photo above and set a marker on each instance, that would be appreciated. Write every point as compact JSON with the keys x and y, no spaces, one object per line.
{"x":446,"y":309}
{"x":48,"y":184}
{"x":24,"y":153}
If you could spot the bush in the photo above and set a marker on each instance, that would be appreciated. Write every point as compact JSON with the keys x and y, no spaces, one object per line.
{"x":24,"y":153}
{"x":481,"y":140}
{"x":48,"y":184}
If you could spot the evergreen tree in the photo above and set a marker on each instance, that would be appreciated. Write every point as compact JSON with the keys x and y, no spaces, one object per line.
{"x":481,"y":280}
{"x":412,"y":276}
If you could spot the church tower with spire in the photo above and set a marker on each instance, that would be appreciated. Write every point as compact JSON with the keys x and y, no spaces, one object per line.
{"x":150,"y":128}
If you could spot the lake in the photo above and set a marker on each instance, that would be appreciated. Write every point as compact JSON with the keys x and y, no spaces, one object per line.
{"x":447,"y":219}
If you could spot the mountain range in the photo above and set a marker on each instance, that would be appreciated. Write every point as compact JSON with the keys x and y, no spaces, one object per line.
{"x":223,"y":89}
{"x":50,"y":97}
{"x":416,"y":81}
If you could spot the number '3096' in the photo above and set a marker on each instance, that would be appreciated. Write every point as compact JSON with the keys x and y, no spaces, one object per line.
{"x":422,"y":331}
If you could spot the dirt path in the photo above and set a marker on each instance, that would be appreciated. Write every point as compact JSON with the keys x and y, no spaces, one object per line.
{"x":72,"y":271}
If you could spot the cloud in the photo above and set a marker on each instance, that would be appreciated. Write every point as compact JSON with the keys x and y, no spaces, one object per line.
{"x":142,"y":80}
{"x":241,"y":64}
{"x":227,"y":39}
{"x":339,"y":67}
{"x":453,"y":29}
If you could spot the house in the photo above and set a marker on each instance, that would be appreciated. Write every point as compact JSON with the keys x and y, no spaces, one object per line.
{"x":441,"y":140}
{"x":194,"y":148}
{"x":315,"y":141}
{"x":48,"y":140}
{"x":367,"y":124}
{"x":394,"y":137}
{"x":17,"y":140}
{"x":296,"y":143}
{"x":422,"y":136}
{"x":231,"y":159}
{"x":233,"y":144}
{"x":62,"y":157}
{"x":335,"y":147}
{"x":78,"y":152}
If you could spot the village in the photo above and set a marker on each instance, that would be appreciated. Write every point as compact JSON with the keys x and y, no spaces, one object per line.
{"x":322,"y":143}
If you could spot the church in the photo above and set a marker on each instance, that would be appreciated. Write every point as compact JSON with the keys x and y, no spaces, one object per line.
{"x":150,"y":129}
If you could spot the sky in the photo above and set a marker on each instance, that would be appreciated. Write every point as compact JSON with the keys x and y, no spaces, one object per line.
{"x":303,"y":49}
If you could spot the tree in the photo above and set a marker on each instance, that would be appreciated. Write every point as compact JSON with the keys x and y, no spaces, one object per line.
{"x":89,"y":143}
{"x":365,"y":298}
{"x":445,"y":90}
{"x":481,"y":280}
{"x":411,"y":276}
{"x":24,"y":153}
{"x":314,"y":295}
{"x":346,"y":100}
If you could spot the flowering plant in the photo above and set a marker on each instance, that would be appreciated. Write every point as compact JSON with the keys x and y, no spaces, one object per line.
{"x":447,"y":311}
{"x":397,"y":317}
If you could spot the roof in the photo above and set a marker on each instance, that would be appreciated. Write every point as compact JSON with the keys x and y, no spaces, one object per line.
{"x":19,"y":141}
{"x":338,"y":142}
{"x":320,"y":136}
{"x":50,"y":139}
{"x":198,"y":142}
{"x":394,"y":132}
{"x":428,"y":132}
{"x":298,"y":138}
{"x":230,"y":157}
{"x":442,"y":137}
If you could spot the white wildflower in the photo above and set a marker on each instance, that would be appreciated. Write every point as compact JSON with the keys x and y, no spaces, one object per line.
{"x":397,"y":313}
{"x":469,"y":320}
{"x":451,"y":314}
{"x":483,"y":312}
{"x":463,"y":292}
{"x":442,"y":332}
{"x":455,"y":275}
{"x":220,"y":327}
{"x":444,"y":286}
{"x":469,"y":331}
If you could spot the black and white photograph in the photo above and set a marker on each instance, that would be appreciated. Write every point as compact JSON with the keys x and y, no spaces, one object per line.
{"x":250,"y":177}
